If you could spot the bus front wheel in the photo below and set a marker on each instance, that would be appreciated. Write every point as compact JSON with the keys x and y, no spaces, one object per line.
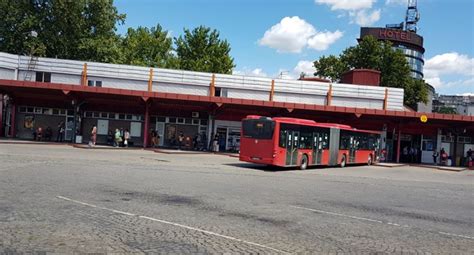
{"x":343,"y":161}
{"x":304,"y":162}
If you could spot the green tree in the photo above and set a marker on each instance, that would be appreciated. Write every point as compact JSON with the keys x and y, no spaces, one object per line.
{"x":330,"y":67}
{"x":148,"y":47}
{"x":18,"y":21}
{"x":446,"y":110}
{"x":81,"y":29}
{"x":202,"y":50}
{"x":373,"y":54}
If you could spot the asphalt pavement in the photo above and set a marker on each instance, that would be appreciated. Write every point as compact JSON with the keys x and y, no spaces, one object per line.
{"x":59,"y":199}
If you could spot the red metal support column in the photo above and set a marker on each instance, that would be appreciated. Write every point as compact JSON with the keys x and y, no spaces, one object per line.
{"x":1,"y":115}
{"x":146,"y":125}
{"x":13,"y":121}
{"x":398,"y":144}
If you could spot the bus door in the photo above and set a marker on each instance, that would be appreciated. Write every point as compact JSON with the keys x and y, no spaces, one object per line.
{"x":292,"y":143}
{"x":317,"y":148}
{"x":352,"y":149}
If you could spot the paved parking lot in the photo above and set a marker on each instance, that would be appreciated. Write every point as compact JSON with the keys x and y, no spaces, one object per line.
{"x":59,"y":199}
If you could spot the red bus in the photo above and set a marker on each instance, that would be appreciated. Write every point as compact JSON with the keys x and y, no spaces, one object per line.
{"x":290,"y":142}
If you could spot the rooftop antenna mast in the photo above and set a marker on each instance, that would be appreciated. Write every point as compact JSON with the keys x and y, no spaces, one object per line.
{"x":412,"y":16}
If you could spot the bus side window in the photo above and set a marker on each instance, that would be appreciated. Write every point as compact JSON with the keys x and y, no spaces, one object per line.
{"x":295,"y":140}
{"x":326,"y":141}
{"x":283,"y":135}
{"x":305,"y":140}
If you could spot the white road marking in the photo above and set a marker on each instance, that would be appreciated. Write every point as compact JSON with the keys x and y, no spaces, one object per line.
{"x":371,"y":220}
{"x":175,"y":224}
{"x":450,"y":234}
{"x":213,"y":233}
{"x":337,"y":214}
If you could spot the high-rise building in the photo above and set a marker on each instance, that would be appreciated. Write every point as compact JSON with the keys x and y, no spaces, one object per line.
{"x":410,"y":43}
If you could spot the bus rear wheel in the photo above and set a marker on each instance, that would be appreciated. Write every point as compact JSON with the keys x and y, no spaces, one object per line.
{"x":343,"y":161}
{"x":304,"y":162}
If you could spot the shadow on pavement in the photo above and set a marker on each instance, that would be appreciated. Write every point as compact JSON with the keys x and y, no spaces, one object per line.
{"x":267,"y":168}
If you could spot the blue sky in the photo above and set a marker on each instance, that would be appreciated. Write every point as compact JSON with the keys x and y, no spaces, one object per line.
{"x":284,"y":37}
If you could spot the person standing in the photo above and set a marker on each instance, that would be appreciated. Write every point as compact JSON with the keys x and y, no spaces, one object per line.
{"x":126,"y":138}
{"x":118,"y":138}
{"x":470,"y":158}
{"x":121,"y":136}
{"x":405,"y":154}
{"x":180,"y":140}
{"x":444,"y":156}
{"x":94,"y":135}
{"x":110,"y":137}
{"x":60,"y":136}
{"x":39,"y":134}
{"x":435,"y":157}
{"x":215,"y":143}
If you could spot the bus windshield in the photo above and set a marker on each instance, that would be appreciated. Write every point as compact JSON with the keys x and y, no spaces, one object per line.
{"x":258,"y":128}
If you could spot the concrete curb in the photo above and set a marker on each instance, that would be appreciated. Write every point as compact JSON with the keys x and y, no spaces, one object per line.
{"x":390,"y":165}
{"x":443,"y":168}
{"x":7,"y":141}
{"x":194,"y":153}
{"x":82,"y":146}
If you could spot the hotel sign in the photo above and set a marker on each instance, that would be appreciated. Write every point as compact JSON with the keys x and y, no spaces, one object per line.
{"x":392,"y":35}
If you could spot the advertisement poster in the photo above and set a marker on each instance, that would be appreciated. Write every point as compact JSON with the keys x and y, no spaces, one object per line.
{"x":29,"y":121}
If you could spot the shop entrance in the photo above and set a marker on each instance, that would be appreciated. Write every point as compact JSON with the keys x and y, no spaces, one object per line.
{"x":69,"y":128}
{"x":222,"y":134}
{"x":172,"y":132}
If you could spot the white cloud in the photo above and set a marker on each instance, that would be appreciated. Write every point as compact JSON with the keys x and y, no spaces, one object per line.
{"x":290,"y":35}
{"x":449,"y":63}
{"x":440,"y":68}
{"x":304,"y":66}
{"x":258,"y":72}
{"x":347,"y":4}
{"x":359,"y":11}
{"x":396,"y":2}
{"x":293,"y":34}
{"x":322,"y":40}
{"x":364,"y":17}
{"x":247,"y":72}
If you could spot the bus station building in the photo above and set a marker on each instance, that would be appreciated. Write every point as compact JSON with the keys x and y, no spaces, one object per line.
{"x":42,"y":92}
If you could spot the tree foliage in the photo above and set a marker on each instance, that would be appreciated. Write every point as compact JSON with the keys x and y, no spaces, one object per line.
{"x":373,"y":54}
{"x":81,"y":29}
{"x":86,"y":30}
{"x":446,"y":110}
{"x":148,"y":47}
{"x":330,"y":67}
{"x":202,"y":50}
